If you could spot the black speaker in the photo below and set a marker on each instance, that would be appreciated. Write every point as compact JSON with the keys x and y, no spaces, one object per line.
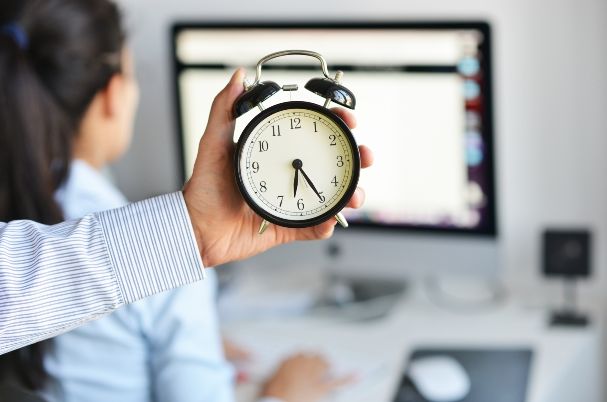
{"x":567,"y":253}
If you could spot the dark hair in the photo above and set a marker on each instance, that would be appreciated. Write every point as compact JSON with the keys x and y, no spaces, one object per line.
{"x":72,"y":50}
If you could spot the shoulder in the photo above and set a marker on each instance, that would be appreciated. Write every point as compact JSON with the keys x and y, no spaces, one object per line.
{"x":87,"y":190}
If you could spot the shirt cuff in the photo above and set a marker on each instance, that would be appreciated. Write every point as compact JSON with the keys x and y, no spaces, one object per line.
{"x":151,"y":245}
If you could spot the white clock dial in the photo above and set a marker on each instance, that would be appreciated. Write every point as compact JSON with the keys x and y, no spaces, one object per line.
{"x":297,"y":164}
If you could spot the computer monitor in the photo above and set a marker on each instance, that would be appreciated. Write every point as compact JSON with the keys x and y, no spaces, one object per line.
{"x":424,"y":105}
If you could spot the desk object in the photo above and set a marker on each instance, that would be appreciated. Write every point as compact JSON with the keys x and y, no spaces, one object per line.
{"x":567,"y":255}
{"x":496,"y":375}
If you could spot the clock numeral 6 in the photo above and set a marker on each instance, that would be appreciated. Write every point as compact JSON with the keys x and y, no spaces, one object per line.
{"x":295,"y":123}
{"x":340,"y":161}
{"x":263,"y":186}
{"x":300,"y":204}
{"x":334,"y":181}
{"x":280,"y":197}
{"x":263,"y":146}
{"x":255,"y":166}
{"x":275,"y":131}
{"x":332,"y":137}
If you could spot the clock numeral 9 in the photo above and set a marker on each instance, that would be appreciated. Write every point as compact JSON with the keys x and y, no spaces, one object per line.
{"x":334,"y":181}
{"x":332,"y":137}
{"x":263,"y":186}
{"x":280,"y":197}
{"x":300,"y":204}
{"x":295,"y":123}
{"x":276,"y":131}
{"x":263,"y":146}
{"x":255,"y":166}
{"x":340,"y":161}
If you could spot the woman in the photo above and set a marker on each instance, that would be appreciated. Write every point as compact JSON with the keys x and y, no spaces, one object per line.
{"x":68,"y":93}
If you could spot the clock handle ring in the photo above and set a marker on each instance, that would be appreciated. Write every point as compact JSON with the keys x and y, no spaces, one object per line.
{"x":318,"y":56}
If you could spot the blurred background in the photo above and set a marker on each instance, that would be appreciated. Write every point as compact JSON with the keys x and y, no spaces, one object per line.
{"x":547,"y":88}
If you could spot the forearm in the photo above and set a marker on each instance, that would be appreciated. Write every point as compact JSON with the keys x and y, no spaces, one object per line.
{"x":54,"y":278}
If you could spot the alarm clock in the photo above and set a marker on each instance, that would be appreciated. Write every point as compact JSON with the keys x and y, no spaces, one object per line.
{"x":296,"y":163}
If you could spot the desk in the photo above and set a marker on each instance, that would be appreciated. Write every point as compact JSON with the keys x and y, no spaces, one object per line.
{"x":566,"y":365}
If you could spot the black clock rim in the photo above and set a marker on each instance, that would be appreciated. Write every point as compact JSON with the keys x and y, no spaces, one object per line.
{"x":325,"y":216}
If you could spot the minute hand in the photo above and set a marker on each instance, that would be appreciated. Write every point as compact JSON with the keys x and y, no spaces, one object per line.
{"x":322,"y":199}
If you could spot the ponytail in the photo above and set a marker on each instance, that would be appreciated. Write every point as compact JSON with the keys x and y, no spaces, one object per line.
{"x":34,"y":141}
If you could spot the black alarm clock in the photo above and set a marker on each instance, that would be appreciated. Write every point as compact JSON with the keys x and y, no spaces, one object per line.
{"x":296,"y":163}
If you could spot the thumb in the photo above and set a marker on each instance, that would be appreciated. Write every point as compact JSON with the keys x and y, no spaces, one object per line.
{"x":221,"y":118}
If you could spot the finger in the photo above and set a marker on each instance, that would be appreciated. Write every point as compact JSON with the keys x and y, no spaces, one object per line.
{"x":221,"y":118}
{"x":366,"y":156}
{"x":339,"y":382}
{"x":347,"y":116}
{"x":358,"y":198}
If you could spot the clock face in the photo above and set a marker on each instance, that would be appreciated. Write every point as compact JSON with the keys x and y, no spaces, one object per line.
{"x":297,"y":164}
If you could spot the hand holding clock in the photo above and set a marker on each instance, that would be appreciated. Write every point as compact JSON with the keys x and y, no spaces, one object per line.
{"x":226,"y":228}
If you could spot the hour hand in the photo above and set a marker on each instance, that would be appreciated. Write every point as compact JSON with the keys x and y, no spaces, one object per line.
{"x":295,"y":182}
{"x":297,"y":164}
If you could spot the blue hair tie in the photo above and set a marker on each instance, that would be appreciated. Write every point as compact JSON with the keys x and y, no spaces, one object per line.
{"x":16,"y":33}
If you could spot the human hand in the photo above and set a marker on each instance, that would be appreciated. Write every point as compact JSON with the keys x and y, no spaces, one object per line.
{"x":224,"y":225}
{"x":303,"y":378}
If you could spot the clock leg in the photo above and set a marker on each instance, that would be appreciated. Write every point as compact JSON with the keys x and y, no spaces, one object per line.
{"x":341,"y":219}
{"x":264,"y":225}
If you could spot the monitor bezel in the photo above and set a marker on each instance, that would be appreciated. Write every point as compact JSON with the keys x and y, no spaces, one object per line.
{"x":490,"y":230}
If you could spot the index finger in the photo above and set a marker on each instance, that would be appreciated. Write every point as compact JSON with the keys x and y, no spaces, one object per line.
{"x":346,"y":115}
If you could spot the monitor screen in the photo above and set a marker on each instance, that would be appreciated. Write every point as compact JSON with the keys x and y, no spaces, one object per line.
{"x":423,"y":105}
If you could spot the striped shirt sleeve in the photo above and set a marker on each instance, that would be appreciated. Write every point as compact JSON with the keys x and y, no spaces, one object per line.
{"x":54,"y":278}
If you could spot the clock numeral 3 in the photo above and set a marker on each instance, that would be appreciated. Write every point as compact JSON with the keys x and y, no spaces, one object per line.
{"x":263,"y":146}
{"x":334,"y":181}
{"x":340,"y":161}
{"x":263,"y":186}
{"x":295,"y":123}
{"x":332,"y":137}
{"x":280,"y":197}
{"x":275,"y":131}
{"x":255,"y":166}
{"x":300,"y":204}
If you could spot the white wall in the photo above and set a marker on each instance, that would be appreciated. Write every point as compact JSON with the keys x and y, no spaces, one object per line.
{"x":551,"y":105}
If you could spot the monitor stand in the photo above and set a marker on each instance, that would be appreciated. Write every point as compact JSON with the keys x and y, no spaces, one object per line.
{"x":569,"y":315}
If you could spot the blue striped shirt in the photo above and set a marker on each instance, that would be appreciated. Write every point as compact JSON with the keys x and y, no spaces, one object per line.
{"x":55,"y":278}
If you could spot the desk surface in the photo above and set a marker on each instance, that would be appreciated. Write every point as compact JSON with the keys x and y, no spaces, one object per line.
{"x":566,"y":364}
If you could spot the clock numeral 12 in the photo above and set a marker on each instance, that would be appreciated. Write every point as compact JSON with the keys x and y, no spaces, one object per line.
{"x":263,"y":146}
{"x":295,"y":123}
{"x":276,"y":131}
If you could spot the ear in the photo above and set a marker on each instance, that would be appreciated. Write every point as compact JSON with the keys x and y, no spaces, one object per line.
{"x":112,"y":96}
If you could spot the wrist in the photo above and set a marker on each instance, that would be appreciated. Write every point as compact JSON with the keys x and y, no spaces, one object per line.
{"x":197,"y":223}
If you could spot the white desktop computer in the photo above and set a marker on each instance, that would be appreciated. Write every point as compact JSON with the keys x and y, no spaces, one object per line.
{"x":424,"y":106}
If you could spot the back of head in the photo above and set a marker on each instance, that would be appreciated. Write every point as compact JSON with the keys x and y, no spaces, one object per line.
{"x":55,"y":55}
{"x":68,"y":51}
